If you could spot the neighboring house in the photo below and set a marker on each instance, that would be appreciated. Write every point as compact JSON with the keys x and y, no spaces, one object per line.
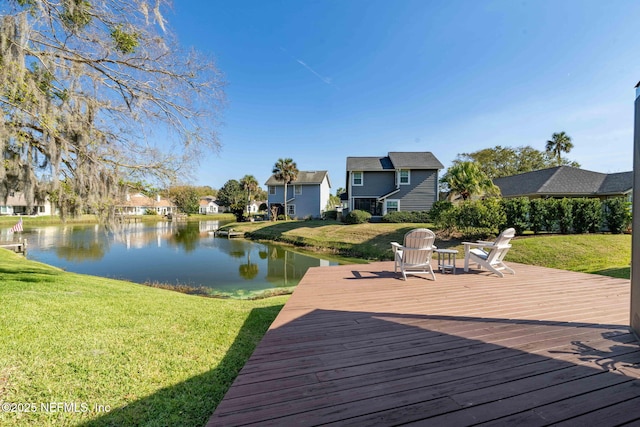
{"x":16,"y":204}
{"x":307,"y":196}
{"x":139,"y":204}
{"x":254,"y":206}
{"x":566,"y":181}
{"x":209,"y":206}
{"x":400,"y":181}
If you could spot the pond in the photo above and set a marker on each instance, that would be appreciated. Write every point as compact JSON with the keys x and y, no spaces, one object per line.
{"x":175,"y":253}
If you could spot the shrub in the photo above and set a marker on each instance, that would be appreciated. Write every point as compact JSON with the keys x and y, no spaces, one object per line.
{"x":587,"y":215}
{"x":444,"y":215}
{"x":440,"y":208}
{"x":357,"y":217}
{"x":564,"y":215}
{"x":617,"y":214}
{"x":398,"y":217}
{"x":517,"y":213}
{"x":493,"y":216}
{"x":332,"y":214}
{"x":150,"y":212}
{"x":482,"y":214}
{"x":538,"y":215}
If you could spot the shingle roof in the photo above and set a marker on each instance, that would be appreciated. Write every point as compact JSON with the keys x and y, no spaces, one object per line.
{"x":304,"y":177}
{"x":369,"y":163}
{"x":395,"y":160}
{"x":417,"y":160}
{"x":564,"y":180}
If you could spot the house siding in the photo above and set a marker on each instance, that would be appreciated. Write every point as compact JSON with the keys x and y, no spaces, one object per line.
{"x":421,"y":194}
{"x":311,"y":202}
{"x":376,"y":184}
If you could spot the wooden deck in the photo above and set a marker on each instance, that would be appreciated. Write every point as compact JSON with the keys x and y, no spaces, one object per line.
{"x":356,"y":346}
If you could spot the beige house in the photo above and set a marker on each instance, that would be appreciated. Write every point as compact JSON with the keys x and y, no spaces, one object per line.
{"x":139,"y":204}
{"x":16,"y":204}
{"x":208,"y":206}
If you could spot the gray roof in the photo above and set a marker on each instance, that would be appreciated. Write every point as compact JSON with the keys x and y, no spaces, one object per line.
{"x":304,"y":178}
{"x":564,"y":181}
{"x":395,"y":160}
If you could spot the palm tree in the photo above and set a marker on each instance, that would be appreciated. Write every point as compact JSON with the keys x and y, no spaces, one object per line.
{"x":249,"y":184}
{"x":285,"y":170}
{"x":559,"y":143}
{"x":467,"y":179}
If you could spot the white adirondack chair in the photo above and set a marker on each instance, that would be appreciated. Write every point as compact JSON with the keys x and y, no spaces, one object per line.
{"x":489,"y":255}
{"x":414,"y":255}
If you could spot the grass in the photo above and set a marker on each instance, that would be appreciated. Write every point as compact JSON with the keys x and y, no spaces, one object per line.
{"x":360,"y":242}
{"x":605,"y":254}
{"x":153,"y":357}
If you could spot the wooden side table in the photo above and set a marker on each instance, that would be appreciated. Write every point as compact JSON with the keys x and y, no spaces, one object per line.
{"x":447,"y":260}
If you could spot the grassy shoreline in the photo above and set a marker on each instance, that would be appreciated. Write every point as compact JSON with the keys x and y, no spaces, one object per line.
{"x":606,"y":254}
{"x":152,"y":356}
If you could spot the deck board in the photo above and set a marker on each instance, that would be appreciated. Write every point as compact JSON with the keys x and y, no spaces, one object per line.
{"x":354,"y":345}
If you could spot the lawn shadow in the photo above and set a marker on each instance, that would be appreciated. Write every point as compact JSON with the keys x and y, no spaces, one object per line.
{"x":191,"y":402}
{"x":619,"y":273}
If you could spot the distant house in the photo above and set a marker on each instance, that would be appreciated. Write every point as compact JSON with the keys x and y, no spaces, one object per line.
{"x":254,"y":206}
{"x":139,"y":204}
{"x":566,"y":181}
{"x":16,"y":204}
{"x":400,"y":181}
{"x":209,"y":206}
{"x":307,"y":196}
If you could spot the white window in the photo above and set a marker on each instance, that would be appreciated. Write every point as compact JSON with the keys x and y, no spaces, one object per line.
{"x":272,"y":189}
{"x":392,"y":205}
{"x":291,"y":210}
{"x":404,"y":177}
{"x":297,"y":190}
{"x":357,"y":178}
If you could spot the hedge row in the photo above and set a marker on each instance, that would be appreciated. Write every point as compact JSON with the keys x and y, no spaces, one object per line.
{"x":568,"y":215}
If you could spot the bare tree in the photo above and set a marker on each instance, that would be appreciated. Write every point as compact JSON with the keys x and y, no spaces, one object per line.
{"x":94,"y":93}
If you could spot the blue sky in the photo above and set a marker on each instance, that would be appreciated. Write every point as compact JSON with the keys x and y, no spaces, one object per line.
{"x":321,"y":80}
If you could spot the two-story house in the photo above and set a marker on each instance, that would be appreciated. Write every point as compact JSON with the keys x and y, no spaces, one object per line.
{"x":307,"y":196}
{"x":400,"y":181}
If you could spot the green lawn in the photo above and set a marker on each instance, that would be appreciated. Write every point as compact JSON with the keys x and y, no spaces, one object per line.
{"x":605,"y":254}
{"x":153,"y":357}
{"x":591,"y":253}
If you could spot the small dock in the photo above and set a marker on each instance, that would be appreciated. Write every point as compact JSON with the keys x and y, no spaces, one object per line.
{"x":228,"y":233}
{"x":18,"y":247}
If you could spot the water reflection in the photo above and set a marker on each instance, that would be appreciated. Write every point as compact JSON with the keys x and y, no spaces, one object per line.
{"x":170,"y":252}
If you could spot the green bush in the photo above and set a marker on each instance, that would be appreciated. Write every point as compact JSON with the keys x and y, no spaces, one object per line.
{"x":587,"y":215}
{"x":564,"y":215}
{"x":357,"y":217}
{"x":332,"y":214}
{"x":398,"y":217}
{"x":486,"y":215}
{"x":438,"y":208}
{"x":539,"y":215}
{"x":517,"y":212}
{"x":617,"y":214}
